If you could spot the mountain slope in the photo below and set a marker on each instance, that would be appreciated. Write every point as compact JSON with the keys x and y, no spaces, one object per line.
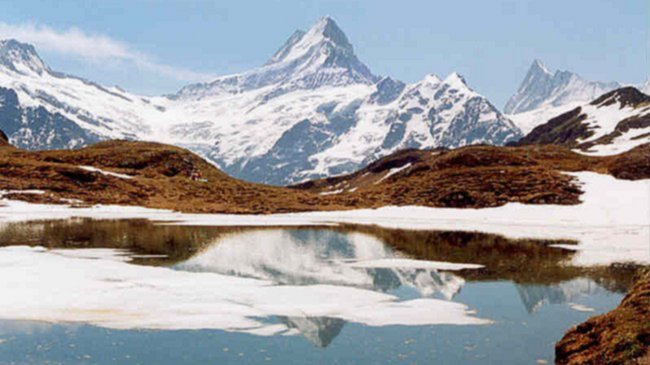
{"x":543,"y":95}
{"x":98,"y":111}
{"x":338,"y":136}
{"x":313,"y":110}
{"x":477,"y":176}
{"x":614,"y":122}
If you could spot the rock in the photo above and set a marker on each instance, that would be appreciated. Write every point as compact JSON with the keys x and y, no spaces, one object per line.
{"x":621,"y":336}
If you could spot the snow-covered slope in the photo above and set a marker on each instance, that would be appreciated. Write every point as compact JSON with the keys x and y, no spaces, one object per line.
{"x":615,"y":122}
{"x":313,"y":109}
{"x":99,"y":111}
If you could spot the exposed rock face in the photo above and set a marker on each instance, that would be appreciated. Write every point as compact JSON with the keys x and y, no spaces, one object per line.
{"x":37,"y":128}
{"x":614,"y":122}
{"x":621,"y":336}
{"x":564,"y":130}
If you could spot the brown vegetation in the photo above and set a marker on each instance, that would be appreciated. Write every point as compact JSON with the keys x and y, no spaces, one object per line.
{"x":621,"y":336}
{"x":164,"y":177}
{"x":478,"y":176}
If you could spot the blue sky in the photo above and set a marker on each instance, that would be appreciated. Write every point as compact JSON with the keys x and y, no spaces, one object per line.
{"x":155,"y":47}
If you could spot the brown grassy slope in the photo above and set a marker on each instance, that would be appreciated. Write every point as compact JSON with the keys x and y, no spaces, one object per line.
{"x":621,"y":336}
{"x":478,"y":176}
{"x":161,"y":180}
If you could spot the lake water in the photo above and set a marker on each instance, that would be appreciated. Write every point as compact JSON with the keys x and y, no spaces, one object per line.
{"x":166,"y":294}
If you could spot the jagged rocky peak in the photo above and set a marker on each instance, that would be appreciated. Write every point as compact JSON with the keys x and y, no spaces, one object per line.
{"x":21,"y":57}
{"x":323,"y":47}
{"x":542,"y":88}
{"x":321,"y":56}
{"x":456,"y":81}
{"x":325,"y":33}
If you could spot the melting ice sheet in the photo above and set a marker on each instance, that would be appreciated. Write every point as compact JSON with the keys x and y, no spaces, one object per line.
{"x":237,"y":284}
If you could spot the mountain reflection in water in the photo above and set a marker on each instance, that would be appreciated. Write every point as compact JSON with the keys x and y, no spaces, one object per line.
{"x":312,"y":256}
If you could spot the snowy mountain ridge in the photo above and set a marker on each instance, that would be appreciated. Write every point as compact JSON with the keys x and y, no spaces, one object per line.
{"x":543,"y":95}
{"x":542,"y":88}
{"x":314,"y":109}
{"x":615,"y":122}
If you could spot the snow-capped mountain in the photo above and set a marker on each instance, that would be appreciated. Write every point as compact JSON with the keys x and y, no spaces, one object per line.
{"x":534,"y":296}
{"x":314,"y":109}
{"x":542,"y":88}
{"x":544,"y":94}
{"x":322,"y":56}
{"x":93,"y":111}
{"x":615,"y":122}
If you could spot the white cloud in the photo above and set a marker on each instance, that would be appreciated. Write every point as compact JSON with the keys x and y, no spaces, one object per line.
{"x":92,"y":47}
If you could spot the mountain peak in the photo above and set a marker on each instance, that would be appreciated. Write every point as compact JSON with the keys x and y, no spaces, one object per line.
{"x":543,"y":89}
{"x":328,"y":28}
{"x":324,"y":33}
{"x":321,"y":56}
{"x":20,"y":57}
{"x":456,"y":80}
{"x":539,"y":66}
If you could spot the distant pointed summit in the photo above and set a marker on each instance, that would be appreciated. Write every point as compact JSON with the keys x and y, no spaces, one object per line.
{"x":542,"y":88}
{"x":539,"y":66}
{"x":455,"y":79}
{"x":21,"y":57}
{"x":321,"y":56}
{"x":325,"y":35}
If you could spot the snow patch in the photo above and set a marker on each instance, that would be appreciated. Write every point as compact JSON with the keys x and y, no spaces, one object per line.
{"x":47,"y":286}
{"x":107,"y":173}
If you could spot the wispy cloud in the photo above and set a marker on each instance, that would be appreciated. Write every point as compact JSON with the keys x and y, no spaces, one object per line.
{"x":93,"y":47}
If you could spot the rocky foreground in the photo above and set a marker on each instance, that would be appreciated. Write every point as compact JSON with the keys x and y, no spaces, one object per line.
{"x":621,"y":336}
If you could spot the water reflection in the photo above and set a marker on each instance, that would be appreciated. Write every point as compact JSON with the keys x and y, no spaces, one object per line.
{"x":320,"y":331}
{"x":310,"y":257}
{"x":535,"y":296}
{"x":275,"y":281}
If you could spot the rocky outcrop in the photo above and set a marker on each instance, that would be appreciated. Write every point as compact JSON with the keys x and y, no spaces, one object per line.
{"x":621,"y":336}
{"x":4,"y":140}
{"x":620,"y":117}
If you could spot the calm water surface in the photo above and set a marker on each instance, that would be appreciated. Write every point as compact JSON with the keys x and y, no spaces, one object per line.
{"x":527,"y":290}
